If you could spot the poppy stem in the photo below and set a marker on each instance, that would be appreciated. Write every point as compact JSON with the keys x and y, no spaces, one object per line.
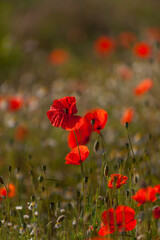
{"x":82,"y":172}
{"x":130,"y":143}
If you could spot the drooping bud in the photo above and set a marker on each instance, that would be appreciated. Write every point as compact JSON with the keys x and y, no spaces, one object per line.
{"x":106,"y":170}
{"x":96,"y":146}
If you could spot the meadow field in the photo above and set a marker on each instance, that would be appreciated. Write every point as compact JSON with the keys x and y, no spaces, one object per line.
{"x":80,"y":120}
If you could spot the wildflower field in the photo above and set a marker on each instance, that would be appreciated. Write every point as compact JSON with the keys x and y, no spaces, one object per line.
{"x":80,"y":120}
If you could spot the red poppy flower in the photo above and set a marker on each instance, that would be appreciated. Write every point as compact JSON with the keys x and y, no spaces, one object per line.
{"x":83,"y":134}
{"x":145,"y":195}
{"x":104,"y":46}
{"x":143,"y":87}
{"x":98,"y":117}
{"x":77,"y":155}
{"x":99,"y":238}
{"x":157,"y":188}
{"x":15,"y":103}
{"x":119,"y":219}
{"x":127,"y":116}
{"x":58,"y":56}
{"x":156,"y":212}
{"x":117,"y":180}
{"x":11,"y":192}
{"x":142,"y":50}
{"x":127,"y":39}
{"x":61,"y":114}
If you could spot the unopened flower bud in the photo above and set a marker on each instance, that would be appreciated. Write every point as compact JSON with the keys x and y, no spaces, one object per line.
{"x":127,"y":193}
{"x":106,"y":170}
{"x":61,"y":218}
{"x":40,"y":179}
{"x":1,"y":180}
{"x":52,"y":206}
{"x":86,"y":179}
{"x":96,"y":146}
{"x":126,"y":125}
{"x":10,"y":168}
{"x":44,"y":168}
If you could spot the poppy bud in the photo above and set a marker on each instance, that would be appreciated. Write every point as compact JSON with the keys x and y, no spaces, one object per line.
{"x":127,"y":193}
{"x":136,"y":179}
{"x":106,"y":199}
{"x":43,"y":189}
{"x":127,"y":146}
{"x":61,"y":218}
{"x":10,"y":168}
{"x":52,"y":206}
{"x":31,"y":172}
{"x":133,"y":191}
{"x":134,"y":160}
{"x":106,"y":170}
{"x":24,"y":225}
{"x":86,"y":179}
{"x":44,"y":168}
{"x":1,"y":180}
{"x":40,"y":179}
{"x":78,"y":194}
{"x":126,"y":125}
{"x":96,"y":146}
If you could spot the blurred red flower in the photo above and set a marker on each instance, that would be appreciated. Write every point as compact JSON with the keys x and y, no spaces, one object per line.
{"x":156,"y":212}
{"x":61,"y":114}
{"x":98,"y":117}
{"x":11,"y":192}
{"x":126,"y":39}
{"x":21,"y":133}
{"x":127,"y":116}
{"x":142,"y":50}
{"x":157,"y":188}
{"x":119,"y":219}
{"x":124,"y":72}
{"x":153,"y":33}
{"x":104,"y":45}
{"x":77,"y":155}
{"x":15,"y":103}
{"x":83,"y":134}
{"x":117,"y":180}
{"x":58,"y":56}
{"x":145,"y":195}
{"x":143,"y":87}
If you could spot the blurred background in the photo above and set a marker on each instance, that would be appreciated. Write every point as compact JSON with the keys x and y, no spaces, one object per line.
{"x":30,"y":30}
